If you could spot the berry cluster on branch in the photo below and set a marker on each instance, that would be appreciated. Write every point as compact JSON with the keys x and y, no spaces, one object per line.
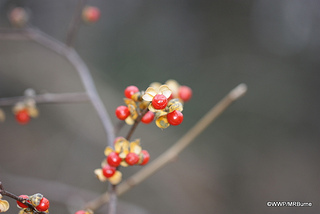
{"x":162,"y":103}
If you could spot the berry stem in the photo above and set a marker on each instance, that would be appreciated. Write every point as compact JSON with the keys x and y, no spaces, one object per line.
{"x":75,"y":23}
{"x":136,"y":123}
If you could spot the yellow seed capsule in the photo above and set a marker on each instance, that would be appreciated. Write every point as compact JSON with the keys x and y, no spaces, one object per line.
{"x":162,"y":122}
{"x":133,"y":111}
{"x":18,"y":107}
{"x":99,"y":174}
{"x":33,"y":112}
{"x":137,"y":97}
{"x":175,"y":104}
{"x":2,"y":116}
{"x":144,"y":104}
{"x":116,"y":178}
{"x":4,"y":206}
{"x":35,"y":199}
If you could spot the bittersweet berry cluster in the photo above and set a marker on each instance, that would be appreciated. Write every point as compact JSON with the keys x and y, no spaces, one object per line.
{"x":23,"y":110}
{"x":39,"y":202}
{"x":162,"y":103}
{"x":125,"y":154}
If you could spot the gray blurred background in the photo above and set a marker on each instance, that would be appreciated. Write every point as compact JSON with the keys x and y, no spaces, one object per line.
{"x":265,"y":147}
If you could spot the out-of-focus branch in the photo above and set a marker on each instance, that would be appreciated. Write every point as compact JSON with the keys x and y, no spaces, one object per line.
{"x":75,"y":23}
{"x":72,"y":56}
{"x":47,"y":98}
{"x":174,"y":150}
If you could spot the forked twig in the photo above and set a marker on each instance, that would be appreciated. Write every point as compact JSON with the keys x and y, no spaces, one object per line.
{"x":174,"y":150}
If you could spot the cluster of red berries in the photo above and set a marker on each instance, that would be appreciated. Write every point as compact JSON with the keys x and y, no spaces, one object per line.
{"x":37,"y":200}
{"x":135,"y":105}
{"x":125,"y":154}
{"x":164,"y":102}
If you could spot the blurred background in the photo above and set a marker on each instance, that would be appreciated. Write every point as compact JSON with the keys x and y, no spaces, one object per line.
{"x":265,"y":147}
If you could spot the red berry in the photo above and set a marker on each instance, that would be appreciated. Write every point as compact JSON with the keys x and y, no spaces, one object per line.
{"x":91,"y":14}
{"x":146,"y":157}
{"x":113,"y":159}
{"x":159,"y":101}
{"x":18,"y":17}
{"x":130,"y":90}
{"x":22,"y":205}
{"x":148,"y":117}
{"x":108,"y":171}
{"x":175,"y":118}
{"x":132,"y":158}
{"x":22,"y":116}
{"x":44,"y":205}
{"x":185,"y":93}
{"x":122,"y":112}
{"x":80,"y":212}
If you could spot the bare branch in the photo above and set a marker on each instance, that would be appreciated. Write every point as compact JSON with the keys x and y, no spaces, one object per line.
{"x":73,"y":57}
{"x":48,"y":98}
{"x":174,"y":150}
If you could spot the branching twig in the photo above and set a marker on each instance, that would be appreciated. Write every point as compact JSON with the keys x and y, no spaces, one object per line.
{"x":174,"y":150}
{"x":47,"y":98}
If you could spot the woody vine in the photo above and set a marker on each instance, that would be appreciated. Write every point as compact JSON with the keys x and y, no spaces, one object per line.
{"x":161,"y":103}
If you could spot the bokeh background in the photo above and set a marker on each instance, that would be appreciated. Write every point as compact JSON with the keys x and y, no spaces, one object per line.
{"x":265,"y":147}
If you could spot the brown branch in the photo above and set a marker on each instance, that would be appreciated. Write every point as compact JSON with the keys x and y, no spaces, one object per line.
{"x":47,"y":98}
{"x":174,"y":150}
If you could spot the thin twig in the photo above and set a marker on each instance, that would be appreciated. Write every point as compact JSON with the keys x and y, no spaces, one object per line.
{"x":174,"y":150}
{"x":75,"y":23}
{"x":48,"y":98}
{"x":136,"y":123}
